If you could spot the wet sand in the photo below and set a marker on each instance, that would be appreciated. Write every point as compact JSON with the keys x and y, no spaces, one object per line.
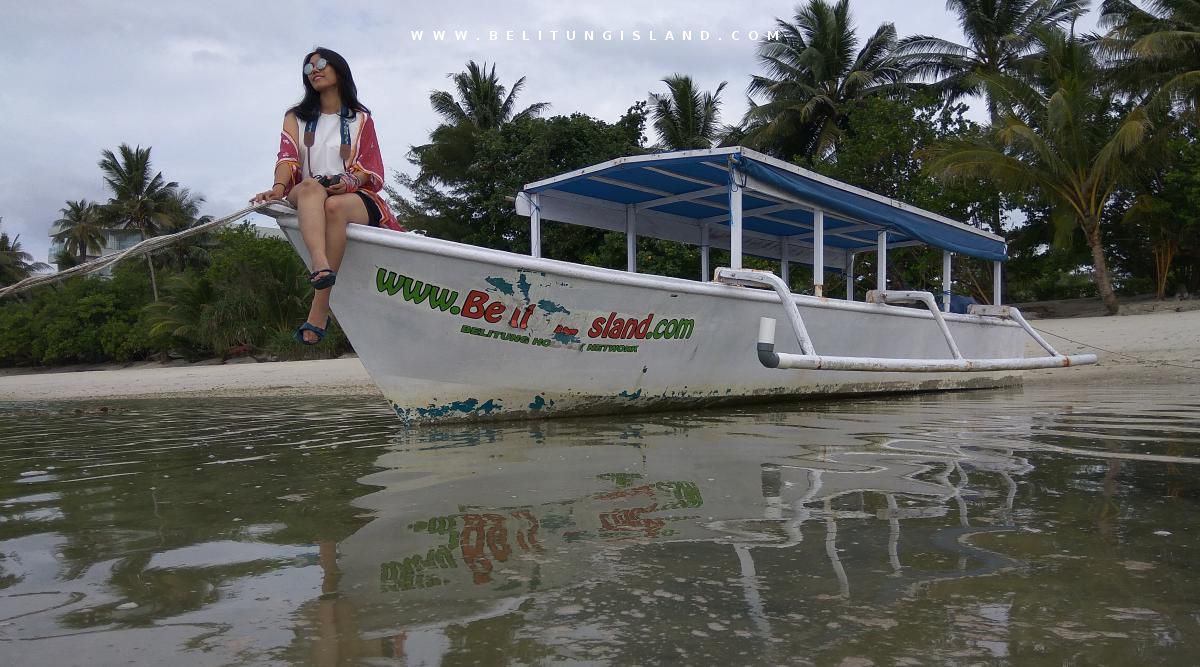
{"x":1135,"y":349}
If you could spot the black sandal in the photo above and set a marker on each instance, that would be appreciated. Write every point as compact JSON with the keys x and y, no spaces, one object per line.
{"x":322,"y":279}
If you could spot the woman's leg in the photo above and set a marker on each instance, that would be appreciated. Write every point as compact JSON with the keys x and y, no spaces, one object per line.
{"x":309,"y":199}
{"x":339,"y":211}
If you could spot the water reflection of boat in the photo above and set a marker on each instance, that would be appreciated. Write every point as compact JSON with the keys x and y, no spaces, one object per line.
{"x":446,"y":550}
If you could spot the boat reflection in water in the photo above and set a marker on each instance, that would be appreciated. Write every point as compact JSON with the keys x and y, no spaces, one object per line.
{"x":599,"y":547}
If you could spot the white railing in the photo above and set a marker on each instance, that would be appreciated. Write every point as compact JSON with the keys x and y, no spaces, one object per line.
{"x":810,"y":360}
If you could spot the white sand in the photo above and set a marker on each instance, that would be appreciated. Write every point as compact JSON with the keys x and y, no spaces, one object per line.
{"x":316,"y":378}
{"x":1154,"y":338}
{"x":1134,"y":349}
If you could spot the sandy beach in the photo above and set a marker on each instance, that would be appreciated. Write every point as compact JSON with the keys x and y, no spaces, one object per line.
{"x":1133,"y":349}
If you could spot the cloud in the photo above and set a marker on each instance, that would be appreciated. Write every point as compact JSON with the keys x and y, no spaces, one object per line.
{"x":206,"y":84}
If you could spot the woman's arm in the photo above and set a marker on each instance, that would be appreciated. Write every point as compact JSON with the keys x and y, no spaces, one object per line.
{"x":367,"y":167}
{"x":287,"y":162}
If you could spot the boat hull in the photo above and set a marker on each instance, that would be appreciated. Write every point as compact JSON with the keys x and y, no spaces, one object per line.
{"x":456,"y":332}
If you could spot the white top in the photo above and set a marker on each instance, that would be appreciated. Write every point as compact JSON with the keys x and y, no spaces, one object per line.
{"x":327,"y":145}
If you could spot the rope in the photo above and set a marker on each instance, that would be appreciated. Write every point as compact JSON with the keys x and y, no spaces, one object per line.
{"x":145,"y":247}
{"x":1119,"y":354}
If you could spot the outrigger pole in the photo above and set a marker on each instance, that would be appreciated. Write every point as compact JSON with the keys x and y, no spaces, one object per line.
{"x":144,"y":248}
{"x":808,"y":359}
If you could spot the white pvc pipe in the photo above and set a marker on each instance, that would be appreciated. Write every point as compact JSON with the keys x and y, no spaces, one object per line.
{"x":849,"y":276}
{"x":915,"y":296}
{"x":996,"y":283}
{"x":818,"y":252}
{"x":705,"y":272}
{"x":784,"y":269}
{"x":630,"y":239}
{"x":735,"y":221}
{"x":806,"y":362}
{"x":946,"y":281}
{"x":535,"y":225}
{"x":881,"y":263}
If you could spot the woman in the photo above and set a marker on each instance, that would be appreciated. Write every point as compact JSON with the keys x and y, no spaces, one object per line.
{"x":333,"y":176}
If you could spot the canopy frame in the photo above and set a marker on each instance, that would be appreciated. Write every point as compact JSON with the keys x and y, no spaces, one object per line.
{"x":745,"y":202}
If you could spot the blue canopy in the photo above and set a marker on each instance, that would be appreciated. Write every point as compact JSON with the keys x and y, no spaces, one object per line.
{"x":674,"y":195}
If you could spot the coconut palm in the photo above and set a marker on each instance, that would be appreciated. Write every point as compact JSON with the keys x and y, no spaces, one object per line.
{"x":1061,"y":136}
{"x":1000,"y":35}
{"x":139,"y":201}
{"x":483,"y":102}
{"x":16,"y":264}
{"x":685,"y":117}
{"x":1157,"y":48}
{"x":814,"y":71}
{"x":184,"y":213}
{"x":81,"y":229}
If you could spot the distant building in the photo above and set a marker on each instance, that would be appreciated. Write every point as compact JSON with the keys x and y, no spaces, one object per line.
{"x":115,"y":240}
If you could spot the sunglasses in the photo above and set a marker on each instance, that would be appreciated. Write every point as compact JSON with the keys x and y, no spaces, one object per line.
{"x":309,"y":68}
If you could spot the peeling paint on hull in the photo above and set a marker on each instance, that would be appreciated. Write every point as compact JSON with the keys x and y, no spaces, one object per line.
{"x":506,"y":407}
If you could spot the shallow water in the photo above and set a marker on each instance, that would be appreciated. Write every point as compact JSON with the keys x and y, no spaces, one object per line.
{"x":1038,"y":526}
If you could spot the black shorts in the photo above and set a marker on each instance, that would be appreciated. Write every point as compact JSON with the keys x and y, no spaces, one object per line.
{"x":373,"y":214}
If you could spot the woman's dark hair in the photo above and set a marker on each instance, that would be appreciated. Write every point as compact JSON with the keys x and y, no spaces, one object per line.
{"x":309,"y":108}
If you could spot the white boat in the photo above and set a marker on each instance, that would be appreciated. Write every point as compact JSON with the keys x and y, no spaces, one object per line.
{"x":451,"y":331}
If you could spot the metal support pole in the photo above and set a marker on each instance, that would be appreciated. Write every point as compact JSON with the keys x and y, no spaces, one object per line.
{"x":996,"y":282}
{"x":947,"y":281}
{"x":705,"y":271}
{"x":881,"y":264}
{"x":535,"y":225}
{"x":849,"y":276}
{"x":784,"y":269}
{"x":735,"y":220}
{"x":630,"y":239}
{"x":818,"y":252}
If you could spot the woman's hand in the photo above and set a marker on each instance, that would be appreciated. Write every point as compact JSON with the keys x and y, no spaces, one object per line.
{"x":342,"y":186}
{"x":275,"y":193}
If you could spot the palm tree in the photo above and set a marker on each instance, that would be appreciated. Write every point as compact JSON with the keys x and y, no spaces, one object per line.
{"x":1157,"y":48}
{"x":482,"y":100}
{"x":81,"y":229}
{"x":139,"y":201}
{"x":1000,"y":36}
{"x":685,"y":117}
{"x":16,"y":264}
{"x":813,"y":73}
{"x":483,"y":103}
{"x":1059,"y":135}
{"x":184,"y":213}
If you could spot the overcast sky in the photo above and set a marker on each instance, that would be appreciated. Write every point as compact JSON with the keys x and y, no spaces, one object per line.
{"x":206,"y":84}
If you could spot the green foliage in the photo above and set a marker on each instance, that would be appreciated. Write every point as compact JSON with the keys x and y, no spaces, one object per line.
{"x":70,"y":323}
{"x":813,"y":71}
{"x":81,"y":229}
{"x":685,"y":117}
{"x":885,"y":140}
{"x":15,"y":263}
{"x":474,"y":205}
{"x":253,"y":289}
{"x":1155,"y":51}
{"x":1161,"y":222}
{"x":249,"y":299}
{"x":1061,"y":134}
{"x":1001,"y":38}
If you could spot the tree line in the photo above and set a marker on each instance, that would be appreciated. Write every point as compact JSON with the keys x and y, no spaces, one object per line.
{"x":1086,"y":163}
{"x":212,"y":295}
